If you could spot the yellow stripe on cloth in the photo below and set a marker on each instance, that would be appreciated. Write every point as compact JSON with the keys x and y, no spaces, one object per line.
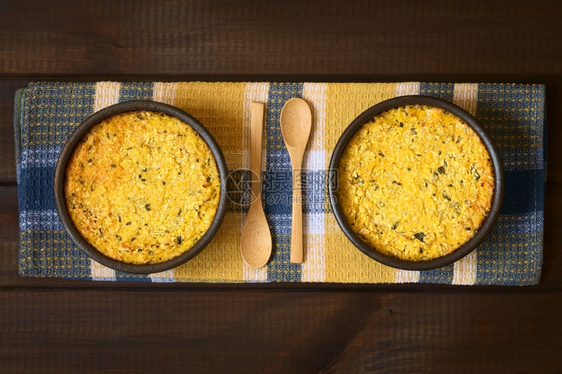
{"x":220,"y":108}
{"x":345,"y":101}
{"x":344,"y":262}
{"x":254,"y":92}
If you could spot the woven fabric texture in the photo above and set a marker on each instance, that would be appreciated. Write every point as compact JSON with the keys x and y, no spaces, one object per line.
{"x":513,"y":114}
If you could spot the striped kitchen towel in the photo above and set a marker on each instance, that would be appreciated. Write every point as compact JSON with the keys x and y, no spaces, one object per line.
{"x":513,"y":114}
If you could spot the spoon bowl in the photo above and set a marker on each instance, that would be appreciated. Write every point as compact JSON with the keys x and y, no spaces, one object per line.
{"x":296,"y":123}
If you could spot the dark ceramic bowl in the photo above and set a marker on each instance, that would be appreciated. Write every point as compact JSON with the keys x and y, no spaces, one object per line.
{"x":67,"y":150}
{"x":486,"y":225}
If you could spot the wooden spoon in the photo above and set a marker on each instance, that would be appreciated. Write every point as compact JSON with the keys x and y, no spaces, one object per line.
{"x":255,"y":243}
{"x":296,"y":122}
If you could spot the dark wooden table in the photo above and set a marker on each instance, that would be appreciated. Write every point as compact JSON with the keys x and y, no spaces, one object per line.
{"x":61,"y":326}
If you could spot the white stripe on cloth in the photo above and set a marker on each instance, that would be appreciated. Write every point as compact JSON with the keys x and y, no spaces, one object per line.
{"x":407,"y":276}
{"x":164,"y":92}
{"x":465,"y":95}
{"x":313,"y":268}
{"x":107,"y":93}
{"x":163,"y":277}
{"x":407,"y":88}
{"x":38,"y":157}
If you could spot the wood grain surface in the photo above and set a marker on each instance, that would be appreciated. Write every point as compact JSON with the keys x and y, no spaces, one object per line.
{"x":61,"y":326}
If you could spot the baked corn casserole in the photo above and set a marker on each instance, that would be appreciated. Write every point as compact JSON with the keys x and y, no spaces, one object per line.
{"x":415,"y":182}
{"x":142,"y":187}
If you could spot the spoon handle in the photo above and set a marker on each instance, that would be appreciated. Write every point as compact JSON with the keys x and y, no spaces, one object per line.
{"x":256,"y":133}
{"x":296,"y":256}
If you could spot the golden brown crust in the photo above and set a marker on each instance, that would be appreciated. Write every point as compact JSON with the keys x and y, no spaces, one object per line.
{"x":415,"y":182}
{"x":142,"y":187}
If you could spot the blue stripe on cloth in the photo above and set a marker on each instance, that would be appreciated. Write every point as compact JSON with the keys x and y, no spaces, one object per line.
{"x":22,"y":193}
{"x":529,"y":223}
{"x":40,"y":187}
{"x":136,"y":91}
{"x":283,"y":223}
{"x":278,"y":166}
{"x":278,"y":200}
{"x":511,"y":258}
{"x":513,"y":115}
{"x":440,"y":90}
{"x":523,"y":159}
{"x":18,"y":109}
{"x":524,"y":192}
{"x":441,"y":275}
{"x":127,"y":277}
{"x":18,"y":121}
{"x":278,"y":190}
{"x":544,"y":127}
{"x":51,"y":253}
{"x":56,"y":109}
{"x":51,"y":113}
{"x":443,"y":91}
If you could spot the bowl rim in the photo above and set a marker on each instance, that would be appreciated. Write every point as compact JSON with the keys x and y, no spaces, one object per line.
{"x":76,"y":136}
{"x":497,"y":198}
